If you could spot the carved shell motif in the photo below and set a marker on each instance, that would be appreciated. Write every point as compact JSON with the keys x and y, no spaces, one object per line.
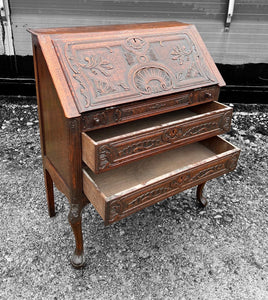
{"x":152,"y":80}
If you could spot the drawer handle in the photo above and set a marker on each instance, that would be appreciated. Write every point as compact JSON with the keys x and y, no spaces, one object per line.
{"x":96,"y":120}
{"x":208,"y":95}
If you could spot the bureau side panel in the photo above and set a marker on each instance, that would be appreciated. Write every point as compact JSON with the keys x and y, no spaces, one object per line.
{"x":54,"y":129}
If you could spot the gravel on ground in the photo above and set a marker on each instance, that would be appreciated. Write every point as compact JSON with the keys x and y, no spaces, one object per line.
{"x":172,"y":250}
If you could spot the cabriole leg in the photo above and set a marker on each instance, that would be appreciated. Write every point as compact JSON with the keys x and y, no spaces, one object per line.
{"x":199,"y":194}
{"x":50,"y":193}
{"x":75,"y":220}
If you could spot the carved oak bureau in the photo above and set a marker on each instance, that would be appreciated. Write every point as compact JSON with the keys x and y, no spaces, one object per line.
{"x":128,"y":117}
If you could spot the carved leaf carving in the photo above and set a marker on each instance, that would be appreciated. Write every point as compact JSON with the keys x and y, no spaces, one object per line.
{"x":200,"y":129}
{"x":96,"y":63}
{"x":103,"y":87}
{"x":116,"y":208}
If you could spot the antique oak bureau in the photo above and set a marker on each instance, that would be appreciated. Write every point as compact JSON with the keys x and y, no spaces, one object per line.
{"x":128,"y":117}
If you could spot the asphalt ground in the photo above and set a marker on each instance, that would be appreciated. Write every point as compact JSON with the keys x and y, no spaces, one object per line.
{"x":172,"y":250}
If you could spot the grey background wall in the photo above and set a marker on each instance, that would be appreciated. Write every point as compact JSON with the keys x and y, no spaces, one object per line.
{"x":246,"y":42}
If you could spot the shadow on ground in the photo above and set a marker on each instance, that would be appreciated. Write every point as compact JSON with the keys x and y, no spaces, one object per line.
{"x":172,"y":250}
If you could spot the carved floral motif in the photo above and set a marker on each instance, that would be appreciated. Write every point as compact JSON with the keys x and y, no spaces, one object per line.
{"x":171,"y":134}
{"x":186,"y":58}
{"x":181,"y":179}
{"x":105,"y":157}
{"x":98,"y":67}
{"x":103,"y":87}
{"x":115,"y":209}
{"x":226,"y":121}
{"x":231,"y":163}
{"x":181,"y":53}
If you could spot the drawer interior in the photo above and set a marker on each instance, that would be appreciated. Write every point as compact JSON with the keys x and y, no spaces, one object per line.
{"x":155,"y":121}
{"x":149,"y":170}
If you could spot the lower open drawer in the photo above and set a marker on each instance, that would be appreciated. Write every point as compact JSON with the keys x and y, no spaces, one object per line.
{"x":120,"y":192}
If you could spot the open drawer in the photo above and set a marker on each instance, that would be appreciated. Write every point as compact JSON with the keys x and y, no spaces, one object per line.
{"x":120,"y":192}
{"x":107,"y":148}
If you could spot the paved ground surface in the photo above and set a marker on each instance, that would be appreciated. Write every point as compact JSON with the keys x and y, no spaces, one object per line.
{"x":172,"y":250}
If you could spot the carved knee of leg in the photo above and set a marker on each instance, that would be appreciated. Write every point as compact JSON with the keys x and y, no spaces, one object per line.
{"x":75,"y":213}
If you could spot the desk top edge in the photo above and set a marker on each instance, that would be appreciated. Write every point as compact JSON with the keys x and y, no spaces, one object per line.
{"x":104,"y":28}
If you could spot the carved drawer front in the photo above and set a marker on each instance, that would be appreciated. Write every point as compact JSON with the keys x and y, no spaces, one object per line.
{"x":111,"y":147}
{"x":137,"y":110}
{"x":122,"y":191}
{"x":206,"y":94}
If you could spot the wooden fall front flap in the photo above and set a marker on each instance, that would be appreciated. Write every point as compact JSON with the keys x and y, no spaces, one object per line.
{"x":112,"y":65}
